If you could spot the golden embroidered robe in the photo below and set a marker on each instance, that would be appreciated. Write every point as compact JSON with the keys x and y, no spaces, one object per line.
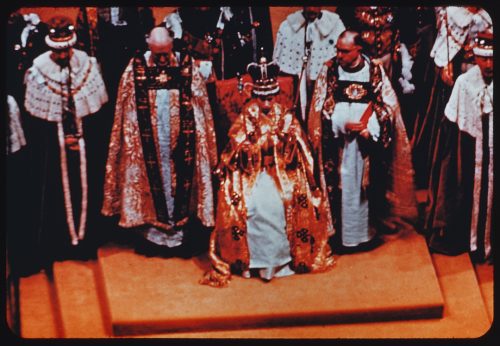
{"x":127,"y":191}
{"x":274,"y":142}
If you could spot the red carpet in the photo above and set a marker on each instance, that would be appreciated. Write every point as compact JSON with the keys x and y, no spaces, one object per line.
{"x":154,"y":295}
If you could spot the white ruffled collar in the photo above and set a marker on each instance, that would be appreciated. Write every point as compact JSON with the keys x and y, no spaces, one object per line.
{"x":51,"y":69}
{"x":324,"y":24}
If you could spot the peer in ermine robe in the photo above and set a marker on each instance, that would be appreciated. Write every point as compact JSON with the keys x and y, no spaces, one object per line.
{"x":461,"y":184}
{"x":304,"y":41}
{"x":457,"y":26}
{"x":64,"y":94}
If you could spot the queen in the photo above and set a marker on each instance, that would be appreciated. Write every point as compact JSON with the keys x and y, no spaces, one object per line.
{"x":271,"y":218}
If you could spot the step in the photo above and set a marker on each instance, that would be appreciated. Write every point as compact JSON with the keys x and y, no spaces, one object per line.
{"x":484,"y":274}
{"x":154,"y":295}
{"x":82,"y":304}
{"x":40,"y":317}
{"x":464,"y":315}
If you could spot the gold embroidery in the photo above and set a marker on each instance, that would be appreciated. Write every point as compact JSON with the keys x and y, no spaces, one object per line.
{"x":229,"y":248}
{"x":163,"y":77}
{"x":355,"y":91}
{"x":126,"y":189}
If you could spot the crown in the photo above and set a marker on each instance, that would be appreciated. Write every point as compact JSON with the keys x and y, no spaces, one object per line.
{"x":483,"y":44}
{"x":265,"y":77}
{"x":61,"y":33}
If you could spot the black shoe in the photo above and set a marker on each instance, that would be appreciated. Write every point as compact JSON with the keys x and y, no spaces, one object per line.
{"x":443,"y":245}
{"x":196,"y":241}
{"x":148,"y":249}
{"x":181,"y":251}
{"x":477,"y":257}
{"x":197,"y":244}
{"x":363,"y":247}
{"x":335,"y":243}
{"x":385,"y":229}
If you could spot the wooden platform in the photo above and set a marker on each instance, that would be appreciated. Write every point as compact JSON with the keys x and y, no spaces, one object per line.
{"x":153,"y":295}
{"x":464,"y":315}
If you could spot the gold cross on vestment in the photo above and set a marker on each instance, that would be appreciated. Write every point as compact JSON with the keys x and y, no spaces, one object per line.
{"x":188,"y":158}
{"x":162,"y":77}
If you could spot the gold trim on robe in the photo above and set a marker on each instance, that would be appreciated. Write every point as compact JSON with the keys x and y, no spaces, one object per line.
{"x":274,"y":142}
{"x":400,"y":194}
{"x":126,"y":188}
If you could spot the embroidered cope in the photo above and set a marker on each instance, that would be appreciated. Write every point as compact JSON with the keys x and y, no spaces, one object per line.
{"x":127,"y":189}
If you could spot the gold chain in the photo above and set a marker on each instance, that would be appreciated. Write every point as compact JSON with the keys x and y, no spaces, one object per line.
{"x":74,"y":91}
